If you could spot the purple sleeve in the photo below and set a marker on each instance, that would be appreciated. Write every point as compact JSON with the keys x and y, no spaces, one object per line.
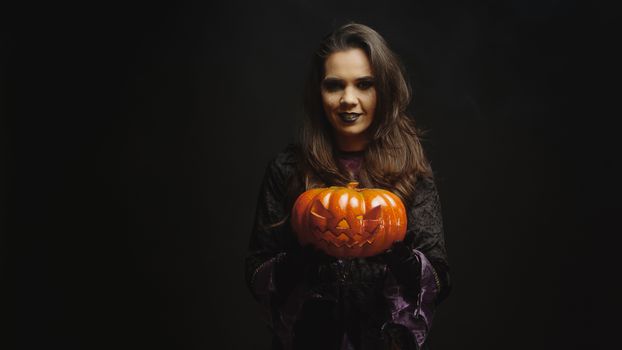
{"x":263,"y":286}
{"x":416,"y":315}
{"x":280,"y":318}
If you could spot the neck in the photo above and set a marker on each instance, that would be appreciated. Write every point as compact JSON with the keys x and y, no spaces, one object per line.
{"x":353,"y":143}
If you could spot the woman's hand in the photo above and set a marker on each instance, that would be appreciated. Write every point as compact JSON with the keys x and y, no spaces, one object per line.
{"x":405,"y":266}
{"x":396,"y":336}
{"x":399,"y":253}
{"x":297,"y":264}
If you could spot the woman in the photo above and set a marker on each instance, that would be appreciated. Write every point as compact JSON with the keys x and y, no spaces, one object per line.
{"x":356,"y":129}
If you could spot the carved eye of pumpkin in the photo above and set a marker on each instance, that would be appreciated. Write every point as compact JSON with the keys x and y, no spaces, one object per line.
{"x":320,"y":215}
{"x":372,"y":219}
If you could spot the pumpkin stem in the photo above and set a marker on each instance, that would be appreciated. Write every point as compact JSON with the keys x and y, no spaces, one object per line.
{"x":352,"y":184}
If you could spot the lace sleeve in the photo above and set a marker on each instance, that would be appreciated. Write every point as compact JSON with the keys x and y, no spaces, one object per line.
{"x":270,"y":234}
{"x":425,"y":233}
{"x":421,"y":281}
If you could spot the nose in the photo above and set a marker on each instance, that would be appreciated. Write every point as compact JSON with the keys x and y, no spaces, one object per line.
{"x":348,"y":98}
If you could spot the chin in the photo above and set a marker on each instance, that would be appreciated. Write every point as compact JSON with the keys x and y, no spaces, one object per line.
{"x":350,"y":133}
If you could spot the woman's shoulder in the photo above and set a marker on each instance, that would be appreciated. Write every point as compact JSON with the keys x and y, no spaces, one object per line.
{"x":425,"y":187}
{"x":289,"y":155}
{"x":286,"y":161}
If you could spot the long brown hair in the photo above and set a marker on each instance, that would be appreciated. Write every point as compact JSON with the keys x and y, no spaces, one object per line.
{"x":394,"y":157}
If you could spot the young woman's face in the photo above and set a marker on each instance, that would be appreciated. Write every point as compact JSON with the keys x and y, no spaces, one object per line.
{"x":349,"y":95}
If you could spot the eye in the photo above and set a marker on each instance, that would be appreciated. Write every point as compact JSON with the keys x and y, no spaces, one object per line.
{"x":332,"y":85}
{"x":365,"y":84}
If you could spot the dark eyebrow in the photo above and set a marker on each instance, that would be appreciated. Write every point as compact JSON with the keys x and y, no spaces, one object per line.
{"x":332,"y":79}
{"x":369,"y":77}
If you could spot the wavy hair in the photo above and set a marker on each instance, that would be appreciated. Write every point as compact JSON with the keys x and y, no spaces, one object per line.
{"x":394,"y":157}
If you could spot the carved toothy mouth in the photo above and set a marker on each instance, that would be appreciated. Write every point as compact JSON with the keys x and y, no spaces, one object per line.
{"x":341,"y":239}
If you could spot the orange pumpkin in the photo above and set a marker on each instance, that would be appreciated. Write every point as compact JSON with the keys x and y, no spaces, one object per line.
{"x":347,"y":222}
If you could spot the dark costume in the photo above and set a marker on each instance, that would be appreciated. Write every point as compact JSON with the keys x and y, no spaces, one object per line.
{"x":377,"y":302}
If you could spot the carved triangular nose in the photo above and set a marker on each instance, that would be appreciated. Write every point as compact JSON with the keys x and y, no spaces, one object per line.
{"x":343,"y":224}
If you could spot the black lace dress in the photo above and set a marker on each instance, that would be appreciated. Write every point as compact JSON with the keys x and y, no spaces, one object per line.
{"x":361,"y":303}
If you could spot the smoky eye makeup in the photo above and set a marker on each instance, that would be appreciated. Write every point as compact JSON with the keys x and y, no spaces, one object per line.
{"x":332,"y":84}
{"x":365,"y":83}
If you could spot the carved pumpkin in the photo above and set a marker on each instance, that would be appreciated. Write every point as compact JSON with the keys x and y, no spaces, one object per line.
{"x":348,"y":222}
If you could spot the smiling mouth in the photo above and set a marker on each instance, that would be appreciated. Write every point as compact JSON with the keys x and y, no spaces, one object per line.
{"x":349,"y":117}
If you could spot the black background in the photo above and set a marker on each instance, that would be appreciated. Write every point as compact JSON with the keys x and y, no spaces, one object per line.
{"x":141,"y":132}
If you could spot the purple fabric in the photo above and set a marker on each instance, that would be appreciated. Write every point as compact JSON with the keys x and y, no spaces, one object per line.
{"x":280,"y":320}
{"x":416,"y":315}
{"x":352,"y":162}
{"x":263,"y":286}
